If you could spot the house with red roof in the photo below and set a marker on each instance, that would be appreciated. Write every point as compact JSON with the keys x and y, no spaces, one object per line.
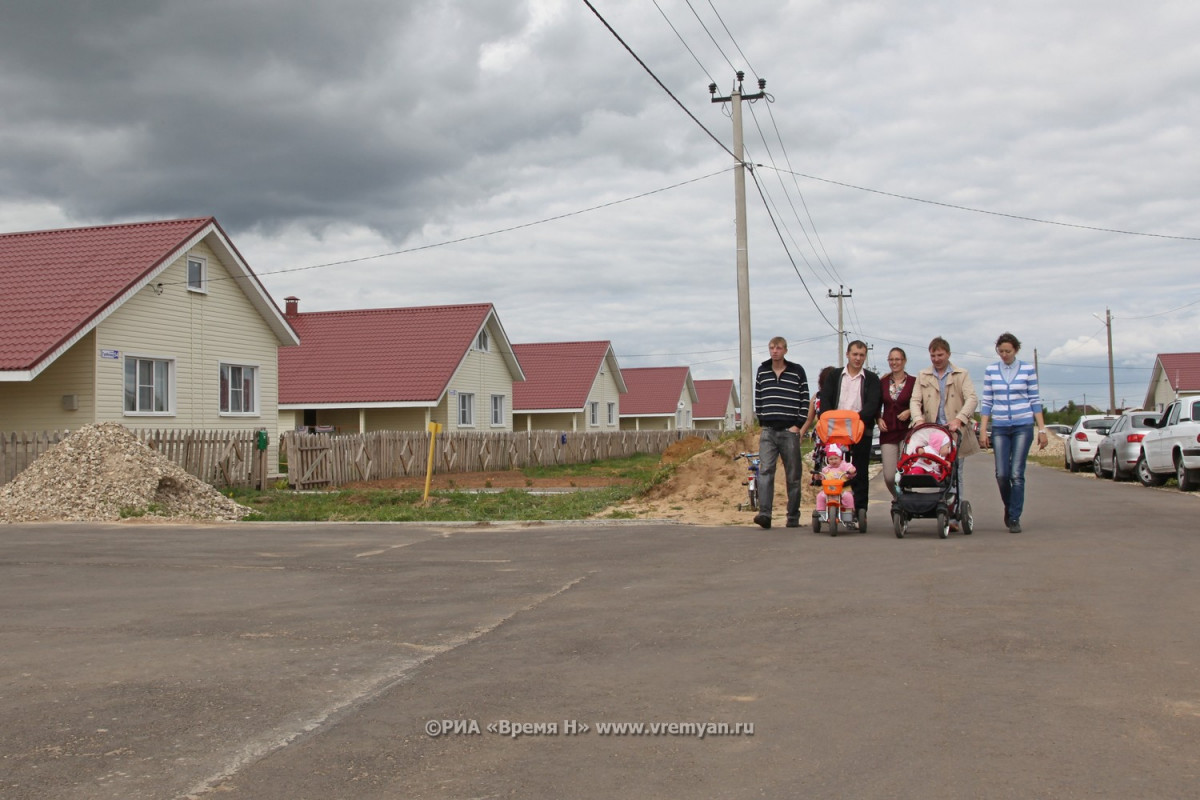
{"x":716,"y":405}
{"x":569,"y":386}
{"x":151,"y":324}
{"x":659,"y":399}
{"x":398,"y":369}
{"x":1174,"y":374}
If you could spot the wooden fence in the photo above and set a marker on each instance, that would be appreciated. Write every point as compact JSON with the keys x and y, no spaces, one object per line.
{"x":322,"y":460}
{"x":221,"y":458}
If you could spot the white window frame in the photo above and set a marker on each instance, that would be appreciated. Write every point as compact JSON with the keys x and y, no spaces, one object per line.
{"x":466,"y":410}
{"x":482,"y":342}
{"x":497,"y":411}
{"x":162,"y":374}
{"x":612,"y":413}
{"x":200,"y":286}
{"x":227,"y":393}
{"x":594,"y":413}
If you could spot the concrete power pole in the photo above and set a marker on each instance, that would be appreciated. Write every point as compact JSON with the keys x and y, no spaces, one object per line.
{"x":842,"y":292}
{"x":743,"y":260}
{"x":1112,"y":387}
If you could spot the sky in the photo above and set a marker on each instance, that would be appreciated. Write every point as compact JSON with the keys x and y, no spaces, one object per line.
{"x":961,"y":169}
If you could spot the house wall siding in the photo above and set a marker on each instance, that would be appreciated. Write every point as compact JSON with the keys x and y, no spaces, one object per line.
{"x":482,"y":374}
{"x":549,"y":422}
{"x":604,"y":391}
{"x":199,"y":331}
{"x":37,"y":405}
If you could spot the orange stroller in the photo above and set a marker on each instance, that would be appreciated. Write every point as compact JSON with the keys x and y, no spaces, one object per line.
{"x":844,"y":428}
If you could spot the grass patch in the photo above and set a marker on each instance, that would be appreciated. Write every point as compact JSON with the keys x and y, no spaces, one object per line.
{"x":382,"y":505}
{"x":638,"y":467}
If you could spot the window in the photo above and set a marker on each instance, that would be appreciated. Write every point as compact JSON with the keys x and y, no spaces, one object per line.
{"x":497,"y":409}
{"x":148,"y":385}
{"x":197,"y":274}
{"x":239,"y":389}
{"x":466,"y":410}
{"x":481,"y":343}
{"x":593,"y":413}
{"x":612,"y":413}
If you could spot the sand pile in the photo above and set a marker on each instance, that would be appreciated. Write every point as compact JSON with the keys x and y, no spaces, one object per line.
{"x":708,"y":485}
{"x":100,"y":471}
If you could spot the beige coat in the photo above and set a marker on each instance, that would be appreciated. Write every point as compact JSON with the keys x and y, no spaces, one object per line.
{"x":961,"y":402}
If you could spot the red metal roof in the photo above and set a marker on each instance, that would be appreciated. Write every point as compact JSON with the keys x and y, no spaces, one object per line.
{"x":558,"y":375}
{"x":381,"y":355}
{"x":1182,"y":370}
{"x":653,"y":390}
{"x":54,"y":283}
{"x":712,"y":398}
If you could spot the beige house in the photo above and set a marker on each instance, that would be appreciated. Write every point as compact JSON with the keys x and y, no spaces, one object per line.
{"x":156,"y":325}
{"x":659,"y":399}
{"x":398,"y":369}
{"x":569,"y":386}
{"x":716,"y":405}
{"x":1174,"y":374}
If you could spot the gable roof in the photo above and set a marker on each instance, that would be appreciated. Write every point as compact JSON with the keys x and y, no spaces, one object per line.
{"x":712,"y":398}
{"x":559,"y":375}
{"x":655,"y":391}
{"x":58,"y":285}
{"x":382,"y":356}
{"x":1182,"y":371}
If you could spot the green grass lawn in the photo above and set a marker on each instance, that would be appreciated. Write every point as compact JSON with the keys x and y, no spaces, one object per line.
{"x":383,"y":505}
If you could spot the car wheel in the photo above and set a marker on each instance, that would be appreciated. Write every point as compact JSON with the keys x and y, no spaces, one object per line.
{"x":1147,"y":478}
{"x":1117,"y":474}
{"x":1071,"y":465}
{"x":1097,"y":469}
{"x":1184,"y":476}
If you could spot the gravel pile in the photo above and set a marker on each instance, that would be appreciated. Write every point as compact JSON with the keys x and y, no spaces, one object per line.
{"x":101,"y":470}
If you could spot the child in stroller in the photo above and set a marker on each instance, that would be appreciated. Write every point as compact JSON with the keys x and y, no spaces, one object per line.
{"x":929,"y":482}
{"x":834,"y":476}
{"x":839,"y":428}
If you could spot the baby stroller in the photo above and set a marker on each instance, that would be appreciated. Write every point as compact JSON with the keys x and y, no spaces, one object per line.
{"x":843,"y":428}
{"x":929,"y":481}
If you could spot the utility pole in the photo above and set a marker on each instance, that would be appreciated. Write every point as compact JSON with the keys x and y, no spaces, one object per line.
{"x":743,"y":259}
{"x":1112,"y":387}
{"x":842,"y":292}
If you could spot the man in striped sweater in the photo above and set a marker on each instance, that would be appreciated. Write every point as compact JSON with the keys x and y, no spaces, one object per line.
{"x":781,"y":405}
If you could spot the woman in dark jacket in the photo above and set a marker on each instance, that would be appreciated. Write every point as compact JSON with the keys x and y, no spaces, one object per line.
{"x":895,"y":417}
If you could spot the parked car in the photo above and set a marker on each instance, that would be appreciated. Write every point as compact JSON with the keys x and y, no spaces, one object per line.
{"x":1061,"y":431}
{"x":1117,"y":454}
{"x":1086,"y":433}
{"x":1171,"y":446}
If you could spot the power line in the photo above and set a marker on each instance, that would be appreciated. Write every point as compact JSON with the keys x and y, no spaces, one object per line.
{"x":656,"y":80}
{"x":992,"y":213}
{"x":496,"y":232}
{"x":683,"y":42}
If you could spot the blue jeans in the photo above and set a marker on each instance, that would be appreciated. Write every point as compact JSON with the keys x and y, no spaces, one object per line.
{"x":772,"y":446}
{"x":1011,"y":446}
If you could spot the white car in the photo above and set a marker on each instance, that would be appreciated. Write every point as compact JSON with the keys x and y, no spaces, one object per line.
{"x":1171,"y":446}
{"x":1080,"y":447}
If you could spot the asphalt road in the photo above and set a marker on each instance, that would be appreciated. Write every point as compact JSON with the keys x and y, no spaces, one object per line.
{"x":306,"y":661}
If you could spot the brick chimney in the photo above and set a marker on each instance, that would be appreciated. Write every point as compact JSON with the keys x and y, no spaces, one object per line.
{"x":293,"y":306}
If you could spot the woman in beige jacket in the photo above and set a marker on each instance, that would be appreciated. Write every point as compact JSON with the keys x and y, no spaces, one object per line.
{"x":959,"y":404}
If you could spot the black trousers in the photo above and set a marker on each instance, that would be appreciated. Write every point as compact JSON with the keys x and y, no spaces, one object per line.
{"x":860,"y":456}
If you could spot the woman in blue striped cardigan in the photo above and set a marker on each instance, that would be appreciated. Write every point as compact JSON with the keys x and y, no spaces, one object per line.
{"x":1010,"y":400}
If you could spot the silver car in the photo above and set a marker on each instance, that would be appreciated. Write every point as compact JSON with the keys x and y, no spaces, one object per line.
{"x":1080,"y":447}
{"x":1117,"y":453}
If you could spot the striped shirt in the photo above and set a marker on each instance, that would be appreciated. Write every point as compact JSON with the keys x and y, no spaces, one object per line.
{"x":781,"y":402}
{"x":1010,"y":396}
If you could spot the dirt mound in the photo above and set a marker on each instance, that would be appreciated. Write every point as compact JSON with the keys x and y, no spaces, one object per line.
{"x":708,"y":487}
{"x":100,"y":471}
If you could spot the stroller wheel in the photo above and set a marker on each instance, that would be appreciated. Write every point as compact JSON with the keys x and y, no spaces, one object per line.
{"x":968,"y":521}
{"x":899,"y":525}
{"x":943,"y":525}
